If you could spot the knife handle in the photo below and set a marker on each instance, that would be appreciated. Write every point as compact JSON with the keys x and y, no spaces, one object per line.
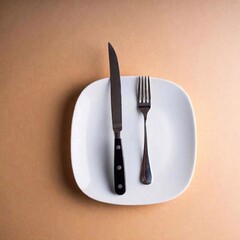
{"x":119,"y":172}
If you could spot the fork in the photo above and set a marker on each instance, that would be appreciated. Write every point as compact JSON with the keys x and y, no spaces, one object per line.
{"x":144,"y":105}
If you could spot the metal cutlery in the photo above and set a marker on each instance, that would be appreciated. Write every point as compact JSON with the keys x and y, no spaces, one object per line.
{"x":144,"y":105}
{"x":116,"y":105}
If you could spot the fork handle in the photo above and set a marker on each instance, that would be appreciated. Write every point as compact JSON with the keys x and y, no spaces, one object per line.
{"x":146,"y":174}
{"x":119,"y":175}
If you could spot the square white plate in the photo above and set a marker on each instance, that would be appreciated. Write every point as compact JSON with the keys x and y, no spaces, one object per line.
{"x":171,"y":142}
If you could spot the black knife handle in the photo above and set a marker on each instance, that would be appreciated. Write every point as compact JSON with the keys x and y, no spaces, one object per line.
{"x":119,"y":171}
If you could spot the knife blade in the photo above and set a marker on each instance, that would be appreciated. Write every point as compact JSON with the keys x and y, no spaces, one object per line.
{"x":116,"y":106}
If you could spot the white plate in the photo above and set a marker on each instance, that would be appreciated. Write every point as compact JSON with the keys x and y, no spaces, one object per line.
{"x":171,"y":142}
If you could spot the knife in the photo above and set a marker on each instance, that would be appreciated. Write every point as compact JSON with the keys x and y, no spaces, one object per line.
{"x":116,"y":105}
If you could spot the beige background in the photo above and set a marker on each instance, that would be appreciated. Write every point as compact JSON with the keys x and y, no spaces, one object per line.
{"x":50,"y":50}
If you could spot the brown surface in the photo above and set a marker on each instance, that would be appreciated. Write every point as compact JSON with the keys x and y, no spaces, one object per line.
{"x":51,"y":50}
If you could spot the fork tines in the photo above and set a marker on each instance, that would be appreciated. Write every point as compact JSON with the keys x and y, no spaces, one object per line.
{"x":144,"y":93}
